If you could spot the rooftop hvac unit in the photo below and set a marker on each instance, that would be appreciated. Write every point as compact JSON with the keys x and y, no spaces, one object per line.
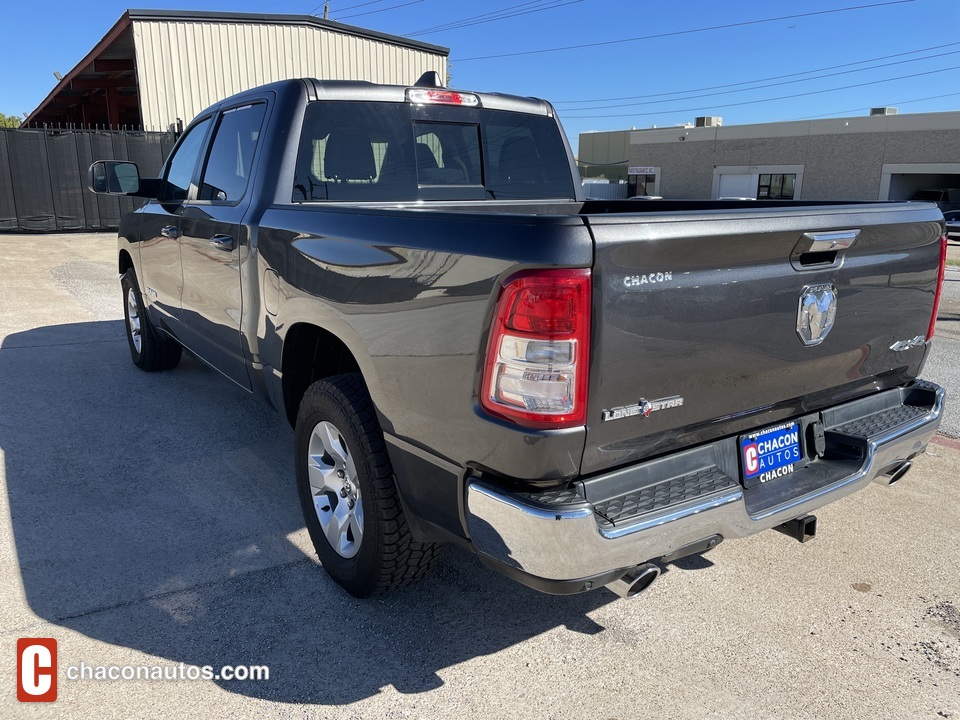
{"x":709,"y":121}
{"x":883,"y":111}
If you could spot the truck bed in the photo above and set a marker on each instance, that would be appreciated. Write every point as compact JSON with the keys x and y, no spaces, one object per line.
{"x":720,"y":333}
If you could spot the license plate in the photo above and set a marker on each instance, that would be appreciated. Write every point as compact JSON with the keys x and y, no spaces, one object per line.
{"x":770,"y":453}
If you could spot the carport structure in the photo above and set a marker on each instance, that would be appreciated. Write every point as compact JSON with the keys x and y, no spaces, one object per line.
{"x":100,"y":91}
{"x":158,"y":68}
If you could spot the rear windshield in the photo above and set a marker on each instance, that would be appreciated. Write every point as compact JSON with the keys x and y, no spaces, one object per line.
{"x":372,"y":151}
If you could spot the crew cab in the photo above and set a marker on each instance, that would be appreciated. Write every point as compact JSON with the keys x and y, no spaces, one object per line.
{"x":469,"y":352}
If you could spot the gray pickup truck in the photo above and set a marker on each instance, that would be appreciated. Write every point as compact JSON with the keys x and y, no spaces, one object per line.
{"x":578,"y":391}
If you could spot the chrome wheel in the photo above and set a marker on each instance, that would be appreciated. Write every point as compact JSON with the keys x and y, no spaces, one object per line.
{"x":336,"y":494}
{"x":133,"y":318}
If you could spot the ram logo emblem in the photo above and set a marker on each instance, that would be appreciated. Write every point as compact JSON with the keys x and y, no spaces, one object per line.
{"x":816,"y":313}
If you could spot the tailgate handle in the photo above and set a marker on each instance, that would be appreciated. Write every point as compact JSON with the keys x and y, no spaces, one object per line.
{"x":822,"y":250}
{"x":830,"y":241}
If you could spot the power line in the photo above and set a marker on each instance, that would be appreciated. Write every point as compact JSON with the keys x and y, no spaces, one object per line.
{"x":270,"y":5}
{"x":374,"y":12}
{"x":895,"y":102}
{"x":455,"y":23}
{"x":751,"y":82}
{"x":769,"y":85}
{"x":773,"y":99}
{"x":573,"y":139}
{"x":349,"y":7}
{"x":675,"y":33}
{"x":502,"y":14}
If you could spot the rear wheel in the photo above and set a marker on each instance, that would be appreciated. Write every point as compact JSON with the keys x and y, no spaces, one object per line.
{"x":150,"y":349}
{"x":347,"y":492}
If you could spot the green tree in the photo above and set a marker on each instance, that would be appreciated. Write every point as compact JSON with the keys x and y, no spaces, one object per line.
{"x":9,"y":121}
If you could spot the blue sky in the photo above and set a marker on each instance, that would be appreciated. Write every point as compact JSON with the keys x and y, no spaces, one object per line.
{"x":645,"y":63}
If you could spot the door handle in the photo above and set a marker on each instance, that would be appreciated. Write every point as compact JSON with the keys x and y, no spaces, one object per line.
{"x":223,"y":242}
{"x":170,"y":231}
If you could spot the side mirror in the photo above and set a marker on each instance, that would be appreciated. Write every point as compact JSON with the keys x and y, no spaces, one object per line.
{"x":113,"y":177}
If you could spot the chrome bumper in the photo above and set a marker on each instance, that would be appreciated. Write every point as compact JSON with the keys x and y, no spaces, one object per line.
{"x":564,"y":541}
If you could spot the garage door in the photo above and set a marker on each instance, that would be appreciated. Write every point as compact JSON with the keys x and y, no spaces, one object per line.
{"x":732,"y":186}
{"x":903,"y":181}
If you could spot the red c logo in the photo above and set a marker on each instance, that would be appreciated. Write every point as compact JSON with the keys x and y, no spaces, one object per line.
{"x":751,"y":458}
{"x":36,"y":669}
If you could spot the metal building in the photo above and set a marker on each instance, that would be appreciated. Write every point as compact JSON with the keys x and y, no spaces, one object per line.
{"x":157,"y":67}
{"x":883,"y":156}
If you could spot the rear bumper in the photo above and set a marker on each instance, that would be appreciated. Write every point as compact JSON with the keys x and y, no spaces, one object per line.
{"x":566,"y":540}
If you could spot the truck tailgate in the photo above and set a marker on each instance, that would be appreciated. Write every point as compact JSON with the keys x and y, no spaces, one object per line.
{"x":695,"y":319}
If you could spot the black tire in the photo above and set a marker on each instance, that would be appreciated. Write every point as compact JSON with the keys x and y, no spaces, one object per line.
{"x":387,"y":556}
{"x":157,"y":350}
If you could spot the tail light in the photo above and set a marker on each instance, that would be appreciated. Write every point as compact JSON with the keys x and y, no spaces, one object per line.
{"x":536,"y":368}
{"x":939,"y":290}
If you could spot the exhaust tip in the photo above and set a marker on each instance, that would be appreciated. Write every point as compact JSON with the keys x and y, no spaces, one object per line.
{"x":894,"y":474}
{"x":636,"y":580}
{"x":900,"y":472}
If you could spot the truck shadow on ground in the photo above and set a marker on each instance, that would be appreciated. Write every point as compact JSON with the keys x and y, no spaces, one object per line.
{"x":158,"y":512}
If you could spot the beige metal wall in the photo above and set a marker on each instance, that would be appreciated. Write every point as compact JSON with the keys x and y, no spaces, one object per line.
{"x":184,"y":67}
{"x":604,"y":154}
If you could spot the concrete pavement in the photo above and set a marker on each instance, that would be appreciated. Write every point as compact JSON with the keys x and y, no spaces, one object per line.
{"x":152,"y":520}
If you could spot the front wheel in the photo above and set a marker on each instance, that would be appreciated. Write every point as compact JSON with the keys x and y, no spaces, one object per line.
{"x":347,"y":492}
{"x":150,"y":349}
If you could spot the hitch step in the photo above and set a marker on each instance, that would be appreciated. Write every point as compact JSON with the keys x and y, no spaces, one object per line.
{"x":801,"y":528}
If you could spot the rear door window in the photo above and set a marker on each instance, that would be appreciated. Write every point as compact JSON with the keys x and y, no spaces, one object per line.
{"x":228,"y":167}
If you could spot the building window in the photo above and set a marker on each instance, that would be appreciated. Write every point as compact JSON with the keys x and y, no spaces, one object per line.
{"x":776,"y":186}
{"x":642,"y":185}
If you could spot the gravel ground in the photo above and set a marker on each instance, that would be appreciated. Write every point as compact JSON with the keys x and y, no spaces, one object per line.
{"x":152,"y":520}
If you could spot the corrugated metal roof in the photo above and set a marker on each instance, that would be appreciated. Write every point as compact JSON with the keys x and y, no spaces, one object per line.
{"x":278,"y":19}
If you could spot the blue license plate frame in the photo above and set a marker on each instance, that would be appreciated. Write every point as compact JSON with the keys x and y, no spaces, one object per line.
{"x":770,"y":453}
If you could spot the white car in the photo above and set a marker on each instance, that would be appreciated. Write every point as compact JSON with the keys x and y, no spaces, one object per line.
{"x":953,"y":224}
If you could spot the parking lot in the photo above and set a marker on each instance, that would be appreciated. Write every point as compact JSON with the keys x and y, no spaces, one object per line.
{"x":152,"y":520}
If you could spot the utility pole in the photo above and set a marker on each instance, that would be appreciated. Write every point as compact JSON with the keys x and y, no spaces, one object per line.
{"x":326,"y":10}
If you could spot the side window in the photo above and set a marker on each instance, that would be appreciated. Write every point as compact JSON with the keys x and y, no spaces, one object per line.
{"x":231,"y":154}
{"x":183,"y":162}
